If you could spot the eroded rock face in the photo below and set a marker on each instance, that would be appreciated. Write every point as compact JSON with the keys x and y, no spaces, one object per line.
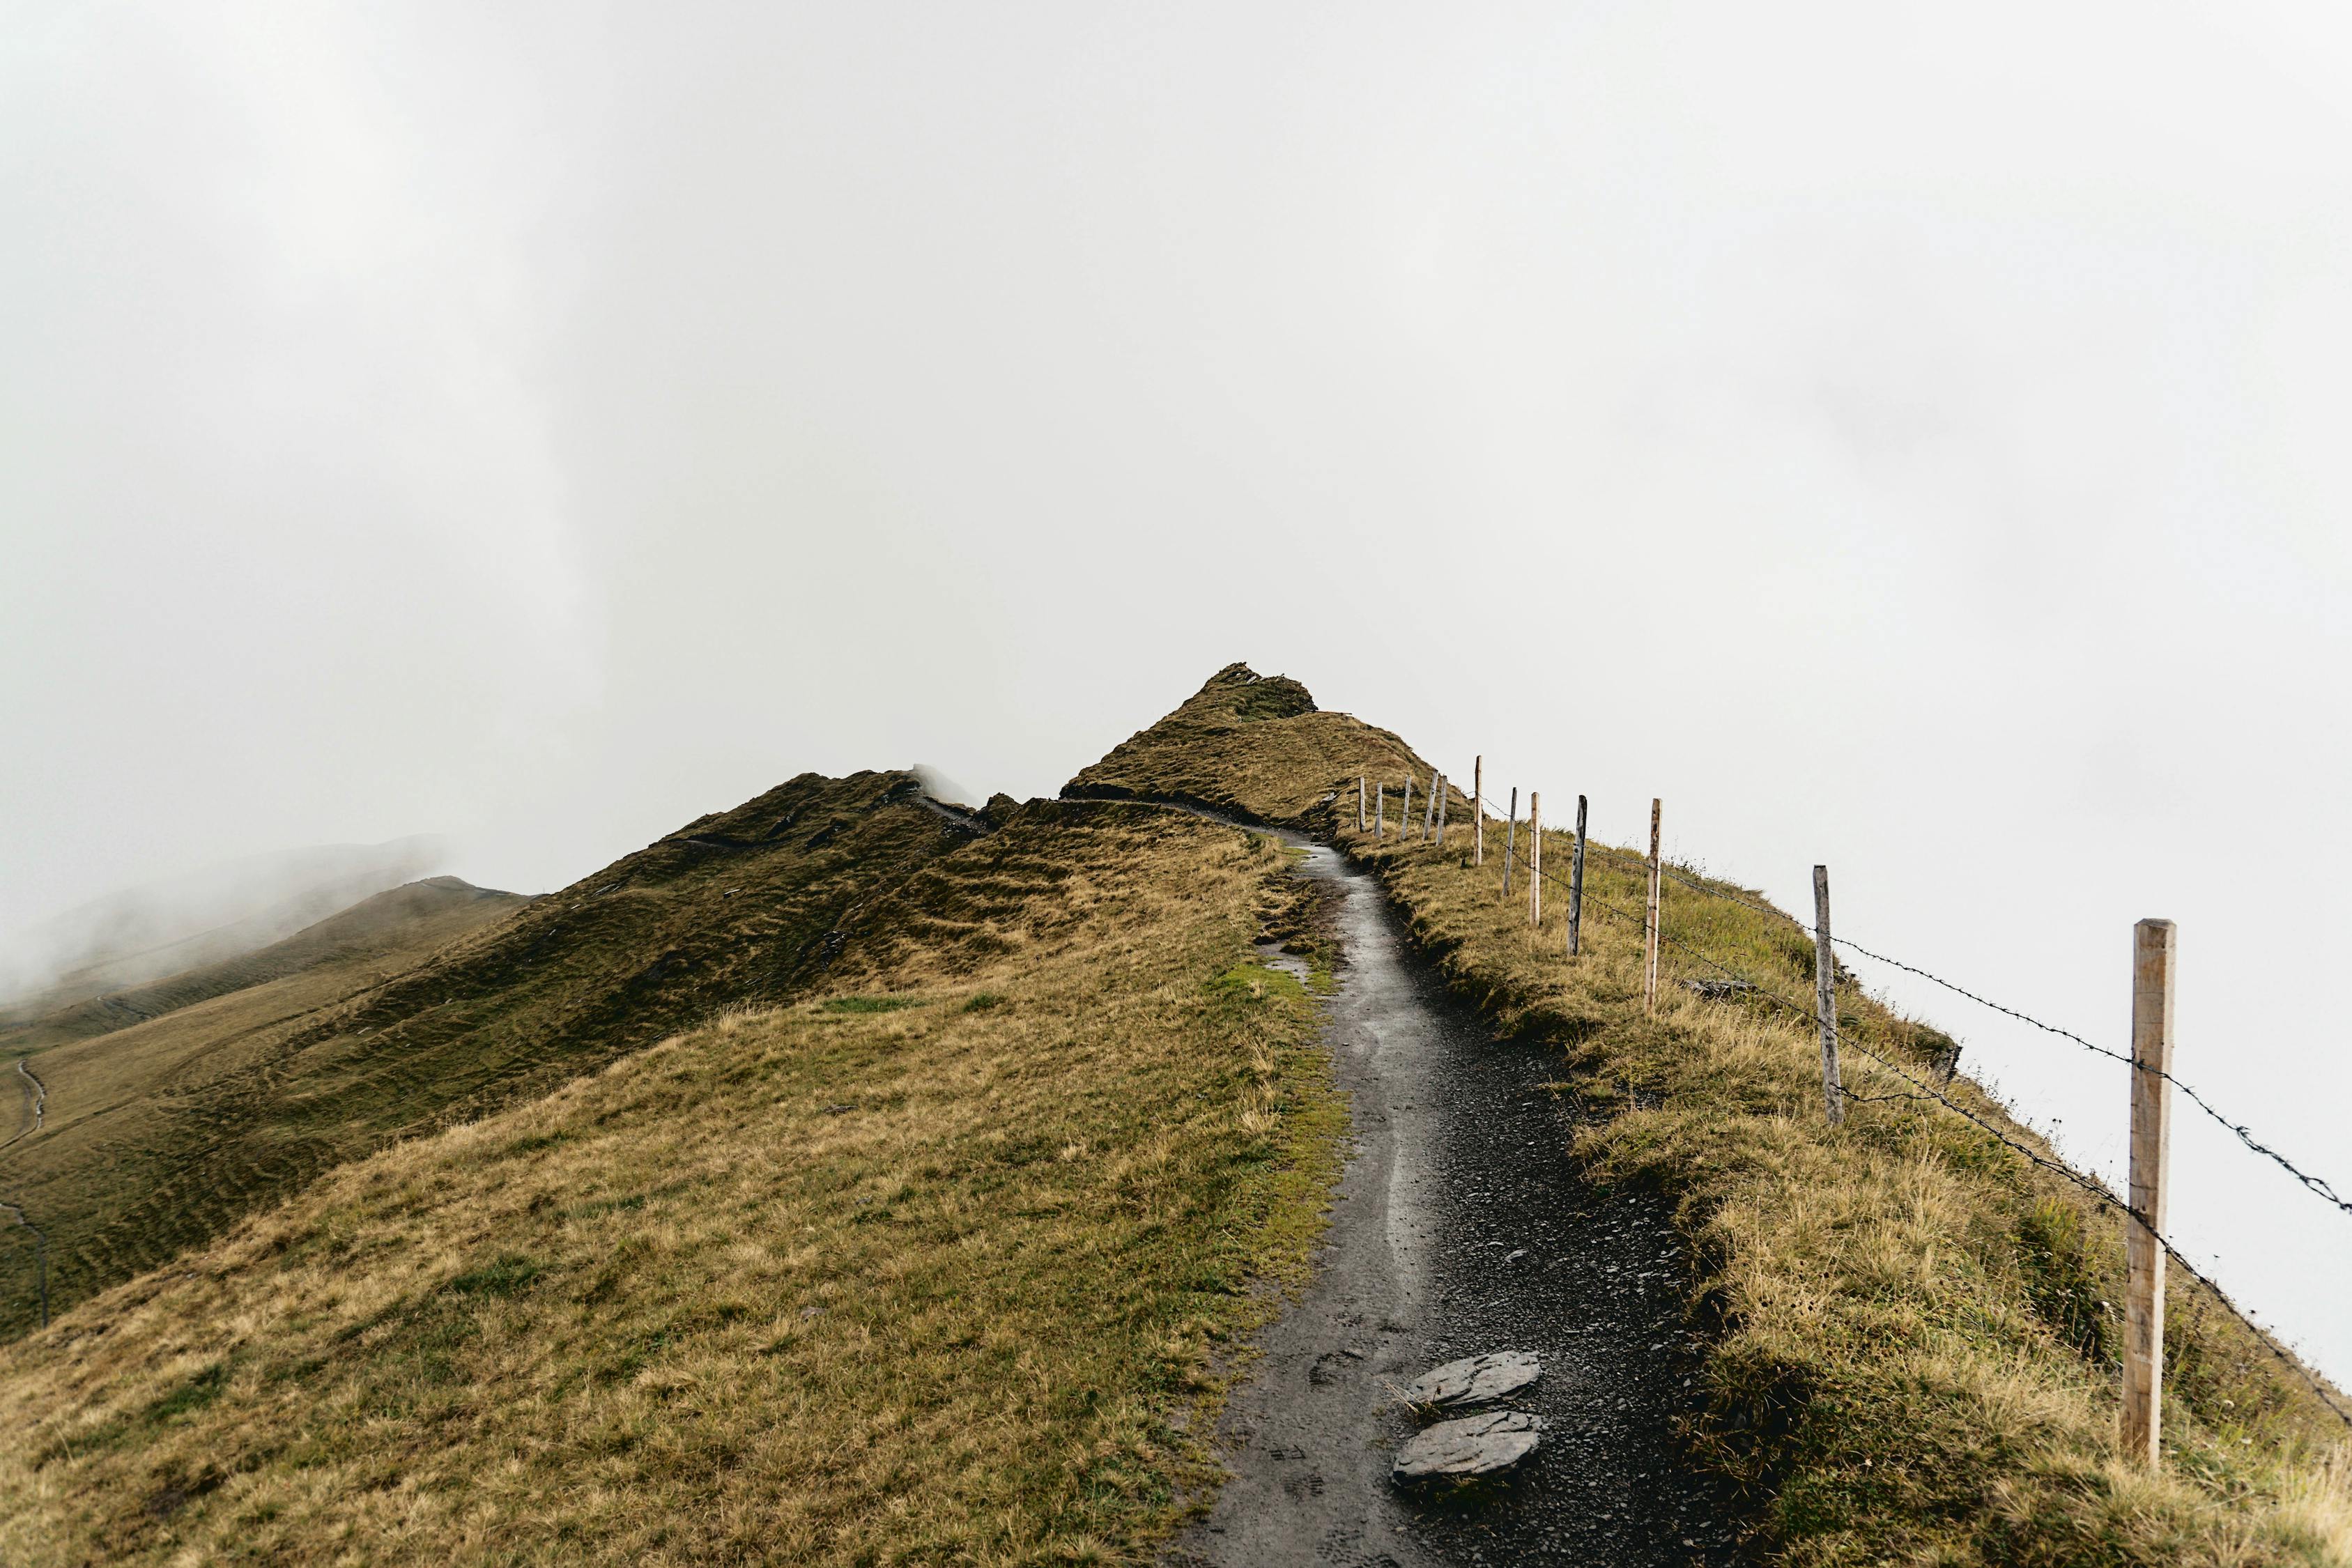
{"x":1475,"y":1380}
{"x":1471,"y":1446}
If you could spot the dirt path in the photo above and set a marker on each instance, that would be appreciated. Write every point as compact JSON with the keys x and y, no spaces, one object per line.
{"x":1461,"y":1228}
{"x":36,"y":1104}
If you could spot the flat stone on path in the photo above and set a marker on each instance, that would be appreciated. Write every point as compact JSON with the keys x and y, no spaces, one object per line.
{"x":1471,"y":1446}
{"x":1475,"y":1380}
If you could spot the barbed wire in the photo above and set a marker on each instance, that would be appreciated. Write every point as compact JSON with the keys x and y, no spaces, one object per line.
{"x":2318,"y":1187}
{"x":1929,"y":1094}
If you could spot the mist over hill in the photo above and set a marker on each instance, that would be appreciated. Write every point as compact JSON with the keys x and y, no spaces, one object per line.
{"x":161,"y":927}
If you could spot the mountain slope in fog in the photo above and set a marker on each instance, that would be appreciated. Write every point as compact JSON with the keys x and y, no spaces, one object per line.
{"x":158,"y":1134}
{"x":180,"y":923}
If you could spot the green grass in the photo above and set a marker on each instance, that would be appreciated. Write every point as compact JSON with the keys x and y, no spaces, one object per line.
{"x":869,"y":1004}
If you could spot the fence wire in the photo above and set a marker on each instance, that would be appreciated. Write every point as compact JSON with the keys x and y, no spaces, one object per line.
{"x":2319,"y":1186}
{"x":1926,"y":1093}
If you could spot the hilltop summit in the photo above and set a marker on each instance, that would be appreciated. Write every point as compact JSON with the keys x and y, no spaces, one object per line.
{"x":1250,"y":746}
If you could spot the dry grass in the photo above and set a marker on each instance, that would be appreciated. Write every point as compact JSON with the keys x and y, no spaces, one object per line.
{"x":945,"y":1281}
{"x":164,"y":1135}
{"x":1913,"y":1330}
{"x":1258,"y":748}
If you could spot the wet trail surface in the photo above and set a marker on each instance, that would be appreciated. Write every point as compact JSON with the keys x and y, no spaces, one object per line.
{"x":1461,"y":1226}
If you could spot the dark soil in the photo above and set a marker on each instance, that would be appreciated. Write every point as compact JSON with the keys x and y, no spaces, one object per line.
{"x":1598,"y":1294}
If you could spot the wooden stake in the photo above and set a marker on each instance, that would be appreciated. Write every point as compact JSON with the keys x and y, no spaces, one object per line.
{"x":1535,"y":859}
{"x":2153,"y":946}
{"x":1511,"y":842}
{"x":1650,"y":926}
{"x":1576,"y":883}
{"x":1381,"y":802}
{"x":1478,"y":810}
{"x":1825,"y":996}
{"x":1405,"y":812}
{"x":1442,"y":802}
{"x":1429,"y":805}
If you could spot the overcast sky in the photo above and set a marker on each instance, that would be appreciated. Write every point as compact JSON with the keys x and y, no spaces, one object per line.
{"x":1916,"y":443}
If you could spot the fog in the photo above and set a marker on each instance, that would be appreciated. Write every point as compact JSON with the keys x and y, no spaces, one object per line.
{"x":1910,"y":443}
{"x":144,"y":932}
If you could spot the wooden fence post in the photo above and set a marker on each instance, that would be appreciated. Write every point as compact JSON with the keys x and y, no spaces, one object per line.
{"x":1535,"y":859}
{"x":1381,"y":802}
{"x":1511,"y":842}
{"x":1650,"y":926}
{"x":2152,"y":947}
{"x":1825,"y":998}
{"x":1576,"y":884}
{"x":1478,"y":810}
{"x":1429,"y":805}
{"x":1360,"y":803}
{"x":1442,"y":802}
{"x":1405,"y":812}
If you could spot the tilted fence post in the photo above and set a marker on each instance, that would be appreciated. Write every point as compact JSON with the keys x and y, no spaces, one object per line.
{"x":2153,"y":947}
{"x":1429,"y":806}
{"x":1478,"y":810}
{"x":1511,"y":842}
{"x":1650,"y":925}
{"x":1576,"y":883}
{"x":1535,"y":859}
{"x":1825,"y":996}
{"x":1405,"y":812}
{"x":1443,"y":801}
{"x":1381,"y":802}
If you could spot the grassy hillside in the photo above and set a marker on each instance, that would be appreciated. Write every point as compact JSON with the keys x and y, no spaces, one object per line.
{"x":933,"y":1268}
{"x":1257,"y":747}
{"x":1914,"y":1340}
{"x":928,"y":1249}
{"x":162,"y":1134}
{"x":141,"y":934}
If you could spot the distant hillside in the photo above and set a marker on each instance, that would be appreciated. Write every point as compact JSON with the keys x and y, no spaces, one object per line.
{"x":394,"y":921}
{"x":159,"y":1133}
{"x":205,"y":917}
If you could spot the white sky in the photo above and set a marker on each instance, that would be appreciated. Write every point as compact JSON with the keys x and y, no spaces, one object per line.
{"x":1915,"y":443}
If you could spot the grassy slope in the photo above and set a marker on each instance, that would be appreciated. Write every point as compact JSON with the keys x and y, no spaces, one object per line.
{"x":933,"y":1271}
{"x":1914,"y":1351}
{"x":1257,"y":747}
{"x":161,"y":1135}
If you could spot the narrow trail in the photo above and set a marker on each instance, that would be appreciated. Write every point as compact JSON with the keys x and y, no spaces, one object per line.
{"x":1461,"y":1226}
{"x":37,"y":1099}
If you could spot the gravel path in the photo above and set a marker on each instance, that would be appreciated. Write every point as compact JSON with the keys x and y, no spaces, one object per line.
{"x":1461,"y":1228}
